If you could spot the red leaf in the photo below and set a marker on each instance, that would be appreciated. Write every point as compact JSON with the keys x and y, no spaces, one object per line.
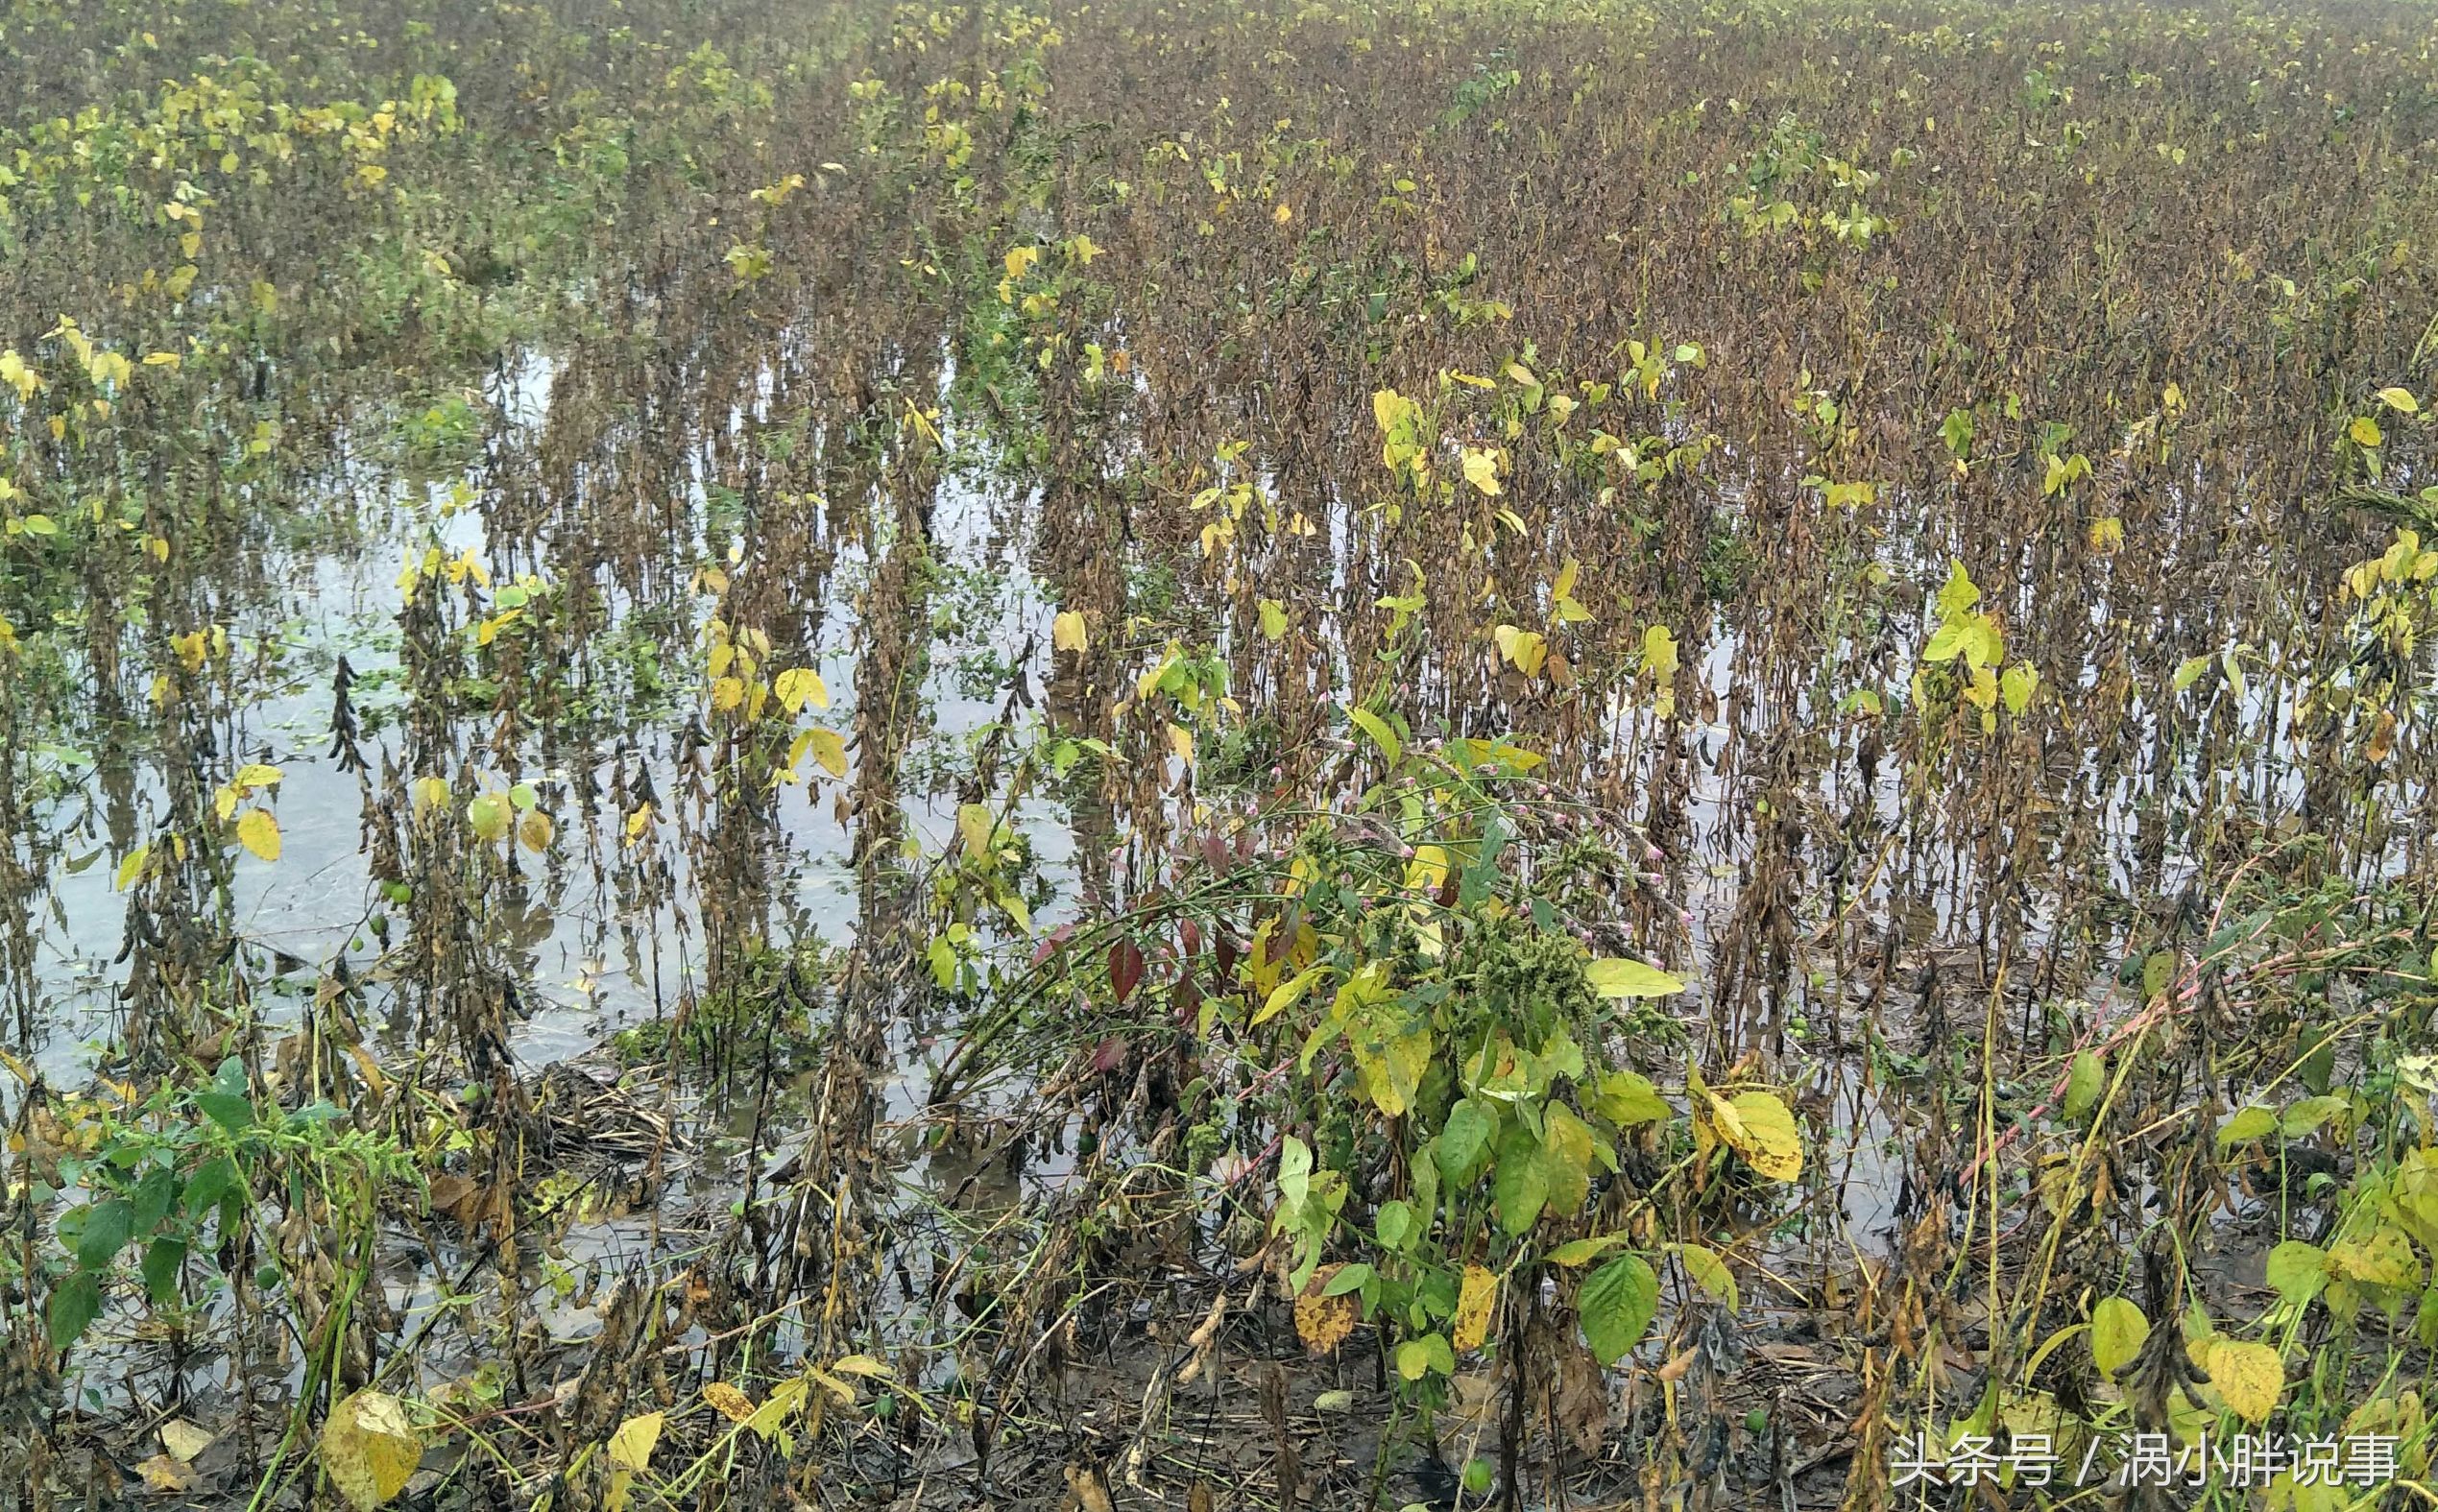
{"x":1125,"y":968}
{"x":1053,"y":942}
{"x":1110,"y":1054}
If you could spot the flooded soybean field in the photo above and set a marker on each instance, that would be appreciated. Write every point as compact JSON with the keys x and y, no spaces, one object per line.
{"x":1217,"y":754}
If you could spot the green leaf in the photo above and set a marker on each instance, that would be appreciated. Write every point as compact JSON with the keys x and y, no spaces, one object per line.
{"x":2298,"y":1271}
{"x":1463,"y":1138}
{"x":1521,"y":1183}
{"x":2158,"y":972}
{"x":1582,"y":1252}
{"x":235,"y":1114}
{"x":2084,"y":1080}
{"x":108,"y":1226}
{"x":1710,"y":1273}
{"x":1395,"y":1225}
{"x":162,"y":1261}
{"x":2308,"y":1115}
{"x":2118,"y":1331}
{"x":1418,"y":1358}
{"x":1626,"y":1099}
{"x":2017,"y":685}
{"x":215,"y":1180}
{"x":155,"y":1195}
{"x":1350,"y":1277}
{"x":75,"y":1303}
{"x":1377,"y":727}
{"x":2248,"y":1124}
{"x":1616,"y":1303}
{"x":1620,"y":977}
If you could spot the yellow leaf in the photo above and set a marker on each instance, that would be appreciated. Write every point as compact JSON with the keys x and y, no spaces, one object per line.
{"x":165,"y":1476}
{"x":1481,"y":469}
{"x":727,"y":693}
{"x":1763,"y":1132}
{"x":2249,"y":1376}
{"x":2401,"y":400}
{"x":1527,"y":650}
{"x":183,"y":1440}
{"x":830,"y":748}
{"x":1474,"y":1304}
{"x":14,"y":372}
{"x":258,"y":831}
{"x":733,"y":1404}
{"x":255,"y":773}
{"x":1283,"y":995}
{"x":2365,"y":432}
{"x":370,"y":1448}
{"x":370,"y":1069}
{"x":536,"y":831}
{"x":799,"y":687}
{"x":1321,"y":1321}
{"x":1067,"y":631}
{"x":784,"y":1400}
{"x":631,"y":1446}
{"x":1181,"y":741}
{"x":1619,"y":976}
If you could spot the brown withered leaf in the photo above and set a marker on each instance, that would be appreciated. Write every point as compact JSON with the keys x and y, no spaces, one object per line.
{"x":1088,"y":1490}
{"x":1582,"y":1405}
{"x":458,"y":1198}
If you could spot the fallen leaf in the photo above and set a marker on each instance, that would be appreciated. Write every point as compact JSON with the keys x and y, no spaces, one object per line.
{"x":370,"y":1448}
{"x":183,"y":1440}
{"x":1089,"y":1489}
